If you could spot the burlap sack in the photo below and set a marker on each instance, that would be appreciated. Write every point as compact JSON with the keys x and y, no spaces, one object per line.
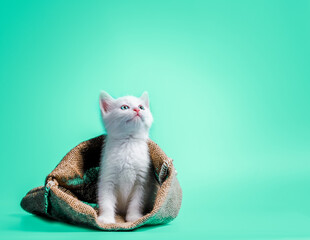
{"x":70,"y":193}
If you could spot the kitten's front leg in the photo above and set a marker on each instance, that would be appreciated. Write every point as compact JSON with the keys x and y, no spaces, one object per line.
{"x":135,"y":206}
{"x":107,"y":201}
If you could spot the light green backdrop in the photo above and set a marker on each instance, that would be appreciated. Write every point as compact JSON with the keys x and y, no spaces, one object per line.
{"x":229,"y":85}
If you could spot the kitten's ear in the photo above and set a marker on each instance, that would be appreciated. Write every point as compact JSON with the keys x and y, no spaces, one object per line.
{"x":105,"y":101}
{"x":145,"y":98}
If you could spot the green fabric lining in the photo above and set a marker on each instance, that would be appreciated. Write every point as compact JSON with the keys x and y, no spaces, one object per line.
{"x":90,"y":176}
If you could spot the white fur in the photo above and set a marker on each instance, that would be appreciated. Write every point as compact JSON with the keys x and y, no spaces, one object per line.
{"x":126,"y":181}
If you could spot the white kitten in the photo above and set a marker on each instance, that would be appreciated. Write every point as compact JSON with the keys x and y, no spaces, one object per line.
{"x":126,"y":181}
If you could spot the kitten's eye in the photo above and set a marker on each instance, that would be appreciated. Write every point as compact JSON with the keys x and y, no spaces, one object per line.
{"x":141,"y":107}
{"x":124,"y":107}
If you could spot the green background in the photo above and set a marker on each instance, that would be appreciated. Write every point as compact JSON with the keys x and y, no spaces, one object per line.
{"x":229,"y":85}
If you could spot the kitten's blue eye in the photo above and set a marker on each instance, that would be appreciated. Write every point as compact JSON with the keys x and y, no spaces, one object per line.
{"x":141,"y":107}
{"x":124,"y":107}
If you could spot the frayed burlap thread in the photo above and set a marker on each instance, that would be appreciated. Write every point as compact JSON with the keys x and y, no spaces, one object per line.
{"x":70,"y":191}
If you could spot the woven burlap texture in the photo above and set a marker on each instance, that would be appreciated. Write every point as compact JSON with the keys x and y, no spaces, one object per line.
{"x":72,"y":195}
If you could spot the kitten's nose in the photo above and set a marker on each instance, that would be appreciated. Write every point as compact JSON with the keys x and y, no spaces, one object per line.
{"x":136,"y":110}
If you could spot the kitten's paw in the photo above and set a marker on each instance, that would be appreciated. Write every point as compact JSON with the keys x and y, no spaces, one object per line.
{"x":106,"y":219}
{"x":133,"y":217}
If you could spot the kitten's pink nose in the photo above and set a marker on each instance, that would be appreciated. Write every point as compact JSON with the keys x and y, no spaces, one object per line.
{"x":136,"y":110}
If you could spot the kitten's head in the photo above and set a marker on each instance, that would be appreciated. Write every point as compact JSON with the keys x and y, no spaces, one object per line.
{"x":126,"y":116}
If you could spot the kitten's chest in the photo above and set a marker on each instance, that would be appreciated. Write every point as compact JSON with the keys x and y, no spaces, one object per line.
{"x":128,"y":157}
